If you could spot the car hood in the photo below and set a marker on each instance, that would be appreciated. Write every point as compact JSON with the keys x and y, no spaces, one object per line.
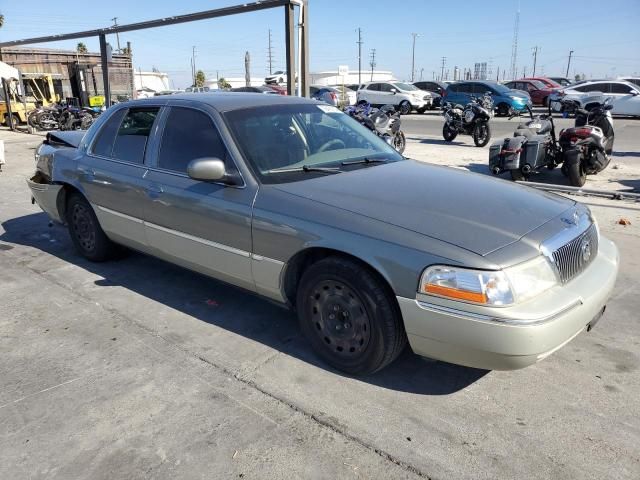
{"x":475,"y":212}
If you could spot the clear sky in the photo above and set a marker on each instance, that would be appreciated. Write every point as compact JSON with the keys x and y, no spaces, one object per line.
{"x":603,"y":35}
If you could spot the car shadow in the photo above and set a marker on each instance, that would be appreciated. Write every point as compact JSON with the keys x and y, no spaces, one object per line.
{"x":625,"y":154}
{"x":544,"y":176}
{"x":440,"y":141}
{"x":227,"y":307}
{"x":633,"y":186}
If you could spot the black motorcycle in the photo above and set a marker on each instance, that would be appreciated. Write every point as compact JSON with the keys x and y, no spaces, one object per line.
{"x":385,"y":122}
{"x":472,"y":119}
{"x":581,"y":150}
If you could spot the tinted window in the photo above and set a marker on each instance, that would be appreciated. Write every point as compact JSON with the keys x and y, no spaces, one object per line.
{"x":594,"y":87}
{"x":385,"y":87}
{"x":374,"y":86}
{"x":452,"y":88}
{"x":480,"y":89}
{"x":465,"y":88}
{"x":620,"y":88}
{"x":106,"y":136}
{"x":188,"y":134}
{"x":132,"y":136}
{"x":511,"y":85}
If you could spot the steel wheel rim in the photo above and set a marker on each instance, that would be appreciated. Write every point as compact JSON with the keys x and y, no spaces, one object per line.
{"x":83,"y":228}
{"x":339,"y":319}
{"x":482,"y":133}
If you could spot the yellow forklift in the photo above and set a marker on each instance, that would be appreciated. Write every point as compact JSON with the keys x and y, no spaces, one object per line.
{"x":38,"y":91}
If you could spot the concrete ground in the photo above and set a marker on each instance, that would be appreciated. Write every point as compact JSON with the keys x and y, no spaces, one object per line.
{"x":139,"y":369}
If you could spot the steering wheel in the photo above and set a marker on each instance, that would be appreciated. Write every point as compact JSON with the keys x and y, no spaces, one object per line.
{"x":331,"y":143}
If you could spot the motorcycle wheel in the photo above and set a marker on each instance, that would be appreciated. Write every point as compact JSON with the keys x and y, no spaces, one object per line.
{"x":405,"y":108}
{"x":449,"y":134}
{"x":399,"y":142}
{"x":573,"y":162}
{"x":517,"y":175}
{"x":481,"y":134}
{"x":46,"y":121}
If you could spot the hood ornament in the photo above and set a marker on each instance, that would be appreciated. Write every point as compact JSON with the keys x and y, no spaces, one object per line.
{"x":573,"y":219}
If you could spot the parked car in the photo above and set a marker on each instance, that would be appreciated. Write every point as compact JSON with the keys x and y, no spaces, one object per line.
{"x":625,"y":95}
{"x":346,"y":95}
{"x":562,"y":81}
{"x":278,"y":78}
{"x":505,"y":100}
{"x":404,"y":95}
{"x":325,"y":94}
{"x":634,"y":80}
{"x":354,"y":86}
{"x":297,"y":202}
{"x":548,"y":82}
{"x":436,"y":89}
{"x":261,"y":89}
{"x":197,"y":89}
{"x":537,"y":90}
{"x":279,"y":89}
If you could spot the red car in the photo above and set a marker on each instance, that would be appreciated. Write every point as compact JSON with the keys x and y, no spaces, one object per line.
{"x":277,"y":88}
{"x":538,"y":90}
{"x":547,"y":81}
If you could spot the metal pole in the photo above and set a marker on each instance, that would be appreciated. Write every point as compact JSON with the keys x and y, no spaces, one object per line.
{"x":359,"y":42}
{"x":105,"y":70}
{"x":115,"y":24}
{"x":7,"y":97}
{"x":289,"y":39}
{"x":535,"y":58}
{"x":413,"y":57}
{"x":569,"y":63}
{"x":304,"y":47}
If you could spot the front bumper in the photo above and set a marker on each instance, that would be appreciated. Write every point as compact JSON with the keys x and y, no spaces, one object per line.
{"x":512,"y":337}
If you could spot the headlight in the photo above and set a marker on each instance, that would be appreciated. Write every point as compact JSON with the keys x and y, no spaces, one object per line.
{"x":494,"y":288}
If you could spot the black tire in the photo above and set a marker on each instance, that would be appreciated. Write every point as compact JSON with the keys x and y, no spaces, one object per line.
{"x":399,"y":142}
{"x":405,"y":108}
{"x":449,"y":134}
{"x":85,"y":230}
{"x":349,"y":316}
{"x":421,"y":110}
{"x":503,"y":110}
{"x":517,"y":175}
{"x":481,"y":134}
{"x":575,"y":172}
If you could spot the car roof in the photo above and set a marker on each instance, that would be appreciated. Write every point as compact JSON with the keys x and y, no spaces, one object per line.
{"x":227,"y":101}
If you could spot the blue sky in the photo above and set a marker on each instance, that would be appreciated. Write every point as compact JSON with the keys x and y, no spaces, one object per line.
{"x":603,"y":35}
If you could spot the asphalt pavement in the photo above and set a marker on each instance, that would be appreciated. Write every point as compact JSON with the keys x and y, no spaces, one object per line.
{"x":137,"y":369}
{"x":627,"y":129}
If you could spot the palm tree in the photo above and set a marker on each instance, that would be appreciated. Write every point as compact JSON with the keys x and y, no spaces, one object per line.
{"x":81,"y":48}
{"x":200,"y":78}
{"x":1,"y":20}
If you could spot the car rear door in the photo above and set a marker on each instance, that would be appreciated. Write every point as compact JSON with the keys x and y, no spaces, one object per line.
{"x":204,"y":226}
{"x":112,"y":174}
{"x":625,"y":102}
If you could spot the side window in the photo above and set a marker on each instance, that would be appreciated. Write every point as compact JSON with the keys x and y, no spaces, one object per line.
{"x":466,"y":88}
{"x":103,"y":145}
{"x":452,"y":88}
{"x":188,"y":134}
{"x":620,"y":88}
{"x":374,"y":87}
{"x":512,"y":85}
{"x":132,"y":136}
{"x":596,"y":87}
{"x":385,"y":87}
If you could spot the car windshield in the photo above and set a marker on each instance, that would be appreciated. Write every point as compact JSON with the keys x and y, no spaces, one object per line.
{"x":500,"y":88}
{"x":290,"y":137}
{"x":405,"y":86}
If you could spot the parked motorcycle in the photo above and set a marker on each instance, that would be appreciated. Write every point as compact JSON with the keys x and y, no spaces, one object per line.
{"x":61,"y":117}
{"x":384,"y":122}
{"x":472,"y":119}
{"x":581,"y":150}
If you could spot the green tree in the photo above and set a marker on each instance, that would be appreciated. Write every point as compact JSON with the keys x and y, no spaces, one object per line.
{"x":1,"y":20}
{"x":200,"y":78}
{"x":126,"y":51}
{"x":81,"y":48}
{"x":223,"y":84}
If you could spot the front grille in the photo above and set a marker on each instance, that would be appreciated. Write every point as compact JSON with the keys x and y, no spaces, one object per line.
{"x":571,"y":259}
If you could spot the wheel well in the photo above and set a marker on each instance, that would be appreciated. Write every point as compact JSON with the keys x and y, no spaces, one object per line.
{"x":61,"y":202}
{"x":297,"y":265}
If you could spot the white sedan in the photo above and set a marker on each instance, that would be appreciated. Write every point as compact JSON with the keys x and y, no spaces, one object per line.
{"x":625,"y":95}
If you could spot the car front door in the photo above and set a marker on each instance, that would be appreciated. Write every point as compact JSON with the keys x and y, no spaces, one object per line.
{"x":204,"y":226}
{"x":387,"y":95}
{"x":373,"y":93}
{"x":112,"y":174}
{"x":625,"y":102}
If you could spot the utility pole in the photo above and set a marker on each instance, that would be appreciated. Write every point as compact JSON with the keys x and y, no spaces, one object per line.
{"x":569,"y":63}
{"x":247,"y":69}
{"x":421,"y":71}
{"x":270,"y":54}
{"x":359,"y":42}
{"x":444,"y":61}
{"x":535,"y":58}
{"x":193,"y":65}
{"x":413,"y":56}
{"x":514,"y":45}
{"x":372,"y":63}
{"x":115,"y":24}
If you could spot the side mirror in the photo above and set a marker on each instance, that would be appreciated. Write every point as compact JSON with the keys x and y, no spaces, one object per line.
{"x":634,"y":93}
{"x":394,"y":91}
{"x":210,"y":170}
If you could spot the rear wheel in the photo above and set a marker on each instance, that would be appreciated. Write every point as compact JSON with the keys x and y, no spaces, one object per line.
{"x":448,"y":133}
{"x":349,"y":316}
{"x":399,"y":142}
{"x":405,"y":108}
{"x":85,"y":231}
{"x":575,"y":171}
{"x":481,"y":134}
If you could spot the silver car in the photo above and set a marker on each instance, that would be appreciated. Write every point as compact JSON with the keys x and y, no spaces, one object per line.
{"x":295,"y":201}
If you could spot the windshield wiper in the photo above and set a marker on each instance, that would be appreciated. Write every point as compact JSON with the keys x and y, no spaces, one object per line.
{"x":365,"y":160}
{"x":305,"y":168}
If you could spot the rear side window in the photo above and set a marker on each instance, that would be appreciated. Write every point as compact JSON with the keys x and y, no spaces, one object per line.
{"x":132,"y":136}
{"x":374,"y":86}
{"x":188,"y":134}
{"x":620,"y":88}
{"x":103,"y":145}
{"x":452,"y":88}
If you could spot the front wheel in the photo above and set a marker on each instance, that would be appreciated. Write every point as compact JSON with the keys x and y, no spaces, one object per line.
{"x":399,"y":142}
{"x":575,"y":170}
{"x":405,"y":108}
{"x":481,"y":134}
{"x":449,"y":133}
{"x":85,"y":231}
{"x":350,"y":316}
{"x":503,"y":110}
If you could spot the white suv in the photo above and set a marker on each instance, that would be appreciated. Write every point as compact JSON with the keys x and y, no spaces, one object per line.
{"x":406,"y":96}
{"x":625,"y":95}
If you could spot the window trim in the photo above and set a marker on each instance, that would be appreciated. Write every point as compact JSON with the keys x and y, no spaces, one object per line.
{"x":153,"y":164}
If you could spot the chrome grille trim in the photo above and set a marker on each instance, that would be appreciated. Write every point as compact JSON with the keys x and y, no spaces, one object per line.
{"x":570,"y":260}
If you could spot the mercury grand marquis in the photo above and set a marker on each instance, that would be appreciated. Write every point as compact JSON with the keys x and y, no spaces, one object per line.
{"x":295,"y":201}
